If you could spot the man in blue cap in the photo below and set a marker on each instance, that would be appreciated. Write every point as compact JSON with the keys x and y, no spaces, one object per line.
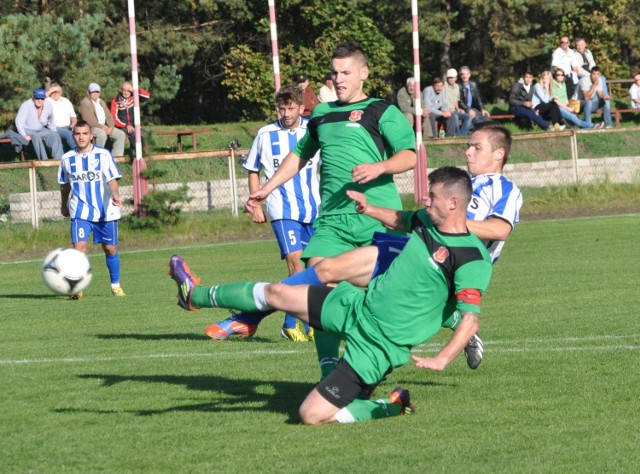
{"x":36,"y":124}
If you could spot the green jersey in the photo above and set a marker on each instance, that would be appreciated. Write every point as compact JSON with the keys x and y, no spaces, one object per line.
{"x":347,"y":135}
{"x":434,"y":274}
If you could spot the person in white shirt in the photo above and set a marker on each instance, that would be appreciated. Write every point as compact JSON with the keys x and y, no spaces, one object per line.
{"x":634,"y":91}
{"x":562,"y":56}
{"x":327,"y":92}
{"x":63,"y":114}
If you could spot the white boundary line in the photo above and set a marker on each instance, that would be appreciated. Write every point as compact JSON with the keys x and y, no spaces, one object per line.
{"x":429,"y":347}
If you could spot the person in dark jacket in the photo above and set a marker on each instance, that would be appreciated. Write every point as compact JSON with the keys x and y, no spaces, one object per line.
{"x":470,"y":98}
{"x":520,"y":101}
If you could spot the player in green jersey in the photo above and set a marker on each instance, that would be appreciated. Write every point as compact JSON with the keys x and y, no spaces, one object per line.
{"x":442,"y":267}
{"x":363,"y":142}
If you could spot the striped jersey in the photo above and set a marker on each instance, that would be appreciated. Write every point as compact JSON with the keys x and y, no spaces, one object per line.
{"x":494,"y":196}
{"x":88,"y":175}
{"x":299,"y":198}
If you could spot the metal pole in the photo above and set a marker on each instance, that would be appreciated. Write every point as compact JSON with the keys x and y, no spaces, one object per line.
{"x":274,"y":44}
{"x":140,"y":185}
{"x":420,"y":171}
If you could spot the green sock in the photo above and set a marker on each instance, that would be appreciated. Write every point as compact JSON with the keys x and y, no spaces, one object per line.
{"x":236,"y":295}
{"x":364,"y":410}
{"x":328,"y":349}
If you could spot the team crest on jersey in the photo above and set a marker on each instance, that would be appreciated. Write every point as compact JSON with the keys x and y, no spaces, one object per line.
{"x":441,"y":254}
{"x":356,"y":115}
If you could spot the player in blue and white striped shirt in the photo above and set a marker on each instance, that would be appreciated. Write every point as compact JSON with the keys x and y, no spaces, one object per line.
{"x":291,"y":208}
{"x":88,"y":177}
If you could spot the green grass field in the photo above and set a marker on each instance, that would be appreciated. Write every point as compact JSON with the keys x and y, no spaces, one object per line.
{"x":133,"y":385}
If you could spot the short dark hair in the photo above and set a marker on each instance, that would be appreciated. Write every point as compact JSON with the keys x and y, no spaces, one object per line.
{"x":455,"y":180}
{"x":499,"y":137}
{"x":288,"y":94}
{"x":350,"y":49}
{"x":437,"y":80}
{"x":595,"y":69}
{"x":81,"y":123}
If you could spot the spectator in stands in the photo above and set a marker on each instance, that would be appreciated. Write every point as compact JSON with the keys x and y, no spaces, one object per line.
{"x":470,"y":98}
{"x":328,"y":91}
{"x":572,"y":79}
{"x":634,"y":91}
{"x":562,"y":56}
{"x":122,"y":111}
{"x":584,"y":55}
{"x":568,"y":112}
{"x":95,"y":112}
{"x":521,"y":101}
{"x":63,"y":114}
{"x":35,"y":123}
{"x":452,"y":100}
{"x":592,"y":94}
{"x":439,"y":114}
{"x":310,"y":97}
{"x":544,"y":103}
{"x":406,"y":104}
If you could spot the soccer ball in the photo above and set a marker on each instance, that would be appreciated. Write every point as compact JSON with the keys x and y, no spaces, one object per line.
{"x":66,"y":271}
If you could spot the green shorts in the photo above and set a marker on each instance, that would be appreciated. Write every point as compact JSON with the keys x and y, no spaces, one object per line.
{"x":371,"y":355}
{"x":338,"y":233}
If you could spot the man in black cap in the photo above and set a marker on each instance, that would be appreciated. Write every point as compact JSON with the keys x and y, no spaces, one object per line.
{"x":309,"y":96}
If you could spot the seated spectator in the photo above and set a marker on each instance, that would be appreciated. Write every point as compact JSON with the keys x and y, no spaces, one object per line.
{"x":562,"y":56}
{"x":439,"y":114}
{"x":95,"y":112}
{"x":63,"y":114}
{"x":544,"y":104}
{"x":309,"y":96}
{"x":35,"y":123}
{"x":559,"y":92}
{"x":634,"y":91}
{"x":470,"y":98}
{"x":521,"y":101}
{"x":584,"y":55}
{"x":406,"y":104}
{"x":452,"y":100}
{"x":572,"y":79}
{"x":328,"y":91}
{"x":122,"y":111}
{"x":592,"y":95}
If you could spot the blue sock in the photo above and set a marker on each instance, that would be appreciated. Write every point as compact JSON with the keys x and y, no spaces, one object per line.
{"x":113,"y":264}
{"x":290,"y":322}
{"x":305,"y":277}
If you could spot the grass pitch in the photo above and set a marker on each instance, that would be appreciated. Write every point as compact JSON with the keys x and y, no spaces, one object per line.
{"x":132,"y":384}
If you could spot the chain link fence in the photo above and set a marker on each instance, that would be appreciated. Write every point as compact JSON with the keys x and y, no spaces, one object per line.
{"x":216,"y":180}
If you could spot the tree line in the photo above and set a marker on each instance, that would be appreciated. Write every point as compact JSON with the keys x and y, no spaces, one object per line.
{"x":210,"y":60}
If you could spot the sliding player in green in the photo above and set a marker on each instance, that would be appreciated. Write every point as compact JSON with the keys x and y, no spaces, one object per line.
{"x":442,"y":268}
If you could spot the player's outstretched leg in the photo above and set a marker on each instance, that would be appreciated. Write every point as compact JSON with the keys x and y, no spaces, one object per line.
{"x":245,"y":324}
{"x":398,"y":403}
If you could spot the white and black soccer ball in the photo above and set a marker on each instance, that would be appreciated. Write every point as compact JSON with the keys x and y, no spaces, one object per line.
{"x":66,"y":271}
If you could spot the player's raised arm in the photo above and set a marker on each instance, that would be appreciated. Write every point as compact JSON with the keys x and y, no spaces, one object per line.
{"x":289,"y":167}
{"x":390,"y":218}
{"x":469,"y":326}
{"x":399,"y":163}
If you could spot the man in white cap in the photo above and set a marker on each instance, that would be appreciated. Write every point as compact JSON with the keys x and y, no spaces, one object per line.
{"x":452,"y":101}
{"x":36,"y":125}
{"x":95,"y":112}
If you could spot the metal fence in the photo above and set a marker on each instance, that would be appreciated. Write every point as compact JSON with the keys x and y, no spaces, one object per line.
{"x":216,"y":180}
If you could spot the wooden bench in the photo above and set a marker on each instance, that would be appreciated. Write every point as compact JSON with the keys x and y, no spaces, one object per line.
{"x":8,"y":140}
{"x":617,"y":113}
{"x":180,"y":133}
{"x":502,"y":117}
